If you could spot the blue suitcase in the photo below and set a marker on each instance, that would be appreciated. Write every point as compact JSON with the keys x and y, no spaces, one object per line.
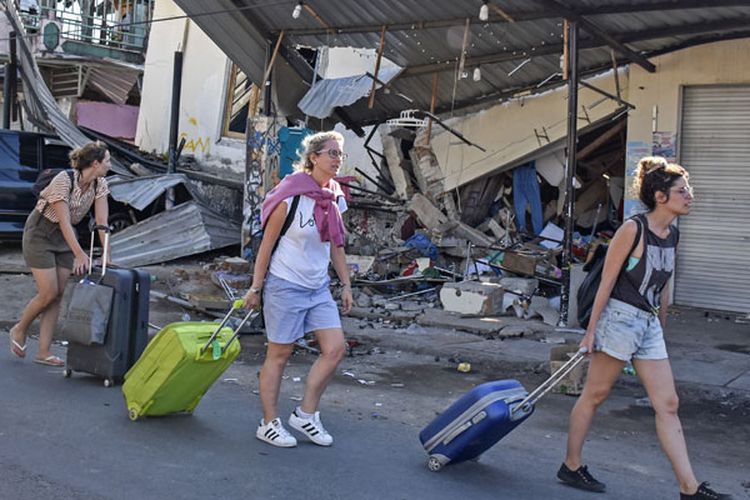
{"x":482,"y":417}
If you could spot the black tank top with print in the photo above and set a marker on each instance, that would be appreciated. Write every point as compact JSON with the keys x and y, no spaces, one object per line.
{"x":641,"y":286}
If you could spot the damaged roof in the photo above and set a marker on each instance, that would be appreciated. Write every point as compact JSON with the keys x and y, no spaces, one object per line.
{"x":517,"y":49}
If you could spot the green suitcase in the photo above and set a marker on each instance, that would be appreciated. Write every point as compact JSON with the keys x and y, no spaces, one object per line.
{"x":179,"y":365}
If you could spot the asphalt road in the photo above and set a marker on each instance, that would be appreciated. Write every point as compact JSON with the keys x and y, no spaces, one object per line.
{"x":71,"y":439}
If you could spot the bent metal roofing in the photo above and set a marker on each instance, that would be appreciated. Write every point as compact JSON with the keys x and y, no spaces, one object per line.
{"x":426,"y":38}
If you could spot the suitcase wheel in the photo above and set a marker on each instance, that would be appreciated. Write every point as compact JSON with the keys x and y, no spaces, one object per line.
{"x":434,"y":464}
{"x":133,"y":414}
{"x":108,"y":382}
{"x":67,"y":373}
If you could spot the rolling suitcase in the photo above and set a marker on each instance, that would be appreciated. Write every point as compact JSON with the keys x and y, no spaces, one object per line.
{"x":127,"y":330}
{"x":482,"y":417}
{"x":180,"y":364}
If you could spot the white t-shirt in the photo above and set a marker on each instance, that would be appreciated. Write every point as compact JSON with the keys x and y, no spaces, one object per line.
{"x":301,"y":257}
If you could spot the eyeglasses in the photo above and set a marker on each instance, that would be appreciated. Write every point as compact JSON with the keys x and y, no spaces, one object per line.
{"x":684,"y":191}
{"x":334,"y":154}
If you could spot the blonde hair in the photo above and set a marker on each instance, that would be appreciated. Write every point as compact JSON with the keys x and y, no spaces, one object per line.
{"x":313,"y":144}
{"x":83,"y":157}
{"x":655,"y":174}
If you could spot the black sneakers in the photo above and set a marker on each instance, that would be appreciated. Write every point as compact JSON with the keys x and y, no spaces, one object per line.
{"x":582,"y":480}
{"x":705,"y":493}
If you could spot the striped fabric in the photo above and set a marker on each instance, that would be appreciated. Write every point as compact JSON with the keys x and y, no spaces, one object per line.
{"x":79,"y":201}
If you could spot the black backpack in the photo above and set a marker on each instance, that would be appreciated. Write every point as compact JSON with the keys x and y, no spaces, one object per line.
{"x":46,"y":176}
{"x":590,"y":285}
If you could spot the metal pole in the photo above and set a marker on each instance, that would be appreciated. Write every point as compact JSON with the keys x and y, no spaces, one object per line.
{"x":570,"y":166}
{"x":11,"y":77}
{"x":174,"y":123}
{"x":7,"y":99}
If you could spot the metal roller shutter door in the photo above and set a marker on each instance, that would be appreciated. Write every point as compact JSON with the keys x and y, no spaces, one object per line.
{"x":713,"y":266}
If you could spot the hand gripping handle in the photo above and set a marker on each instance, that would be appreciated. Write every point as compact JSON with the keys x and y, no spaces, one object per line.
{"x":551,"y":382}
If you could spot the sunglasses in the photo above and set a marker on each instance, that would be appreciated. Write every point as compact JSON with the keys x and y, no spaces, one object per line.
{"x":334,"y":154}
{"x":684,"y":191}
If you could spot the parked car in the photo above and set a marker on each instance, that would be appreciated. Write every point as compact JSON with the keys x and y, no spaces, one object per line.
{"x":22,"y":156}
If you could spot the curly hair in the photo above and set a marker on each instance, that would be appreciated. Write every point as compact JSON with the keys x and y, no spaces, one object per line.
{"x":654,"y":174}
{"x":314,"y":144}
{"x":83,"y":157}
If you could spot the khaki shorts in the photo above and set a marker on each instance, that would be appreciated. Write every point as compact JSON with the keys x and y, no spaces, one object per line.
{"x":44,"y":246}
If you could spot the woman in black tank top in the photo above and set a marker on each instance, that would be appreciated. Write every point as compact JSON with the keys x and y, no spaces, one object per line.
{"x":626,"y":323}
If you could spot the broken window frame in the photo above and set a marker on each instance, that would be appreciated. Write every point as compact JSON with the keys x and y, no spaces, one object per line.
{"x":233,"y":100}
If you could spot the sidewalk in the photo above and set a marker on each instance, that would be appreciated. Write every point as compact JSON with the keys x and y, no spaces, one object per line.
{"x":709,"y":352}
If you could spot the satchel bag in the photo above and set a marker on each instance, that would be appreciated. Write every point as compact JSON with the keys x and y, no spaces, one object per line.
{"x":87,"y":318}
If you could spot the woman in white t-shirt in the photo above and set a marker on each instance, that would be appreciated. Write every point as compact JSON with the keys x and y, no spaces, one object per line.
{"x":291,"y":271}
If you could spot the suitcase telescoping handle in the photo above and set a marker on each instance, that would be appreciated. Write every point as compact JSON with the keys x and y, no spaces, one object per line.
{"x":105,"y":250}
{"x":237,"y":304}
{"x":551,"y":382}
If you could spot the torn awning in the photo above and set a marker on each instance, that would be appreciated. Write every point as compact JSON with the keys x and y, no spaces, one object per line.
{"x":325,"y":95}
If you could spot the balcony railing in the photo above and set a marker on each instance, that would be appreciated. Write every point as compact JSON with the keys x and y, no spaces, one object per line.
{"x":119,"y":24}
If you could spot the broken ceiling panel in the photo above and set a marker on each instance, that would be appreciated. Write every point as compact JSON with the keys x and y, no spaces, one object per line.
{"x":140,"y":192}
{"x":326,"y":95}
{"x":40,"y":103}
{"x":114,"y":83}
{"x":187,"y":229}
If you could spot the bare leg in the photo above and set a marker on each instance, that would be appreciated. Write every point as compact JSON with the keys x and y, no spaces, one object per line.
{"x":46,"y":283}
{"x":50,"y":315}
{"x":332,"y":351}
{"x":271,"y":372}
{"x":602,"y":374}
{"x":658,"y":380}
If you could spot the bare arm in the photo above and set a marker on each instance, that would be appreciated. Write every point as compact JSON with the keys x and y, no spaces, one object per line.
{"x":270,"y":234}
{"x":62,"y":211}
{"x":618,"y":251}
{"x":338,"y":259}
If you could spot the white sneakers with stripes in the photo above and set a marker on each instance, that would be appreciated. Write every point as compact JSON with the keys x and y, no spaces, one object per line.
{"x":274,"y":433}
{"x":312,"y":428}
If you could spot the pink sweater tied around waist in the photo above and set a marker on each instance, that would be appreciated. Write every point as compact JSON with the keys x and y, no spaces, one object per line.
{"x":326,"y":212}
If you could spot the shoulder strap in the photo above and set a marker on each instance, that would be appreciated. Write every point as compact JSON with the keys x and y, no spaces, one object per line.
{"x":71,"y":176}
{"x":290,"y":216}
{"x":638,"y":234}
{"x":287,"y":222}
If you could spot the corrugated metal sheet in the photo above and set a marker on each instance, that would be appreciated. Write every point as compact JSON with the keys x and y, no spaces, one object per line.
{"x":713,"y":266}
{"x":115,"y":83}
{"x":39,"y":99}
{"x":537,"y":33}
{"x":326,"y":95}
{"x":187,"y":229}
{"x":140,"y":192}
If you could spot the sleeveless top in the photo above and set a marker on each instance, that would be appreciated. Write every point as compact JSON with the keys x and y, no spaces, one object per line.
{"x":641,"y":285}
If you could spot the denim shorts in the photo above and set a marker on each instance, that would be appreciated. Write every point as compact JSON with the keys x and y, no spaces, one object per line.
{"x":624,"y":332}
{"x":290,"y":310}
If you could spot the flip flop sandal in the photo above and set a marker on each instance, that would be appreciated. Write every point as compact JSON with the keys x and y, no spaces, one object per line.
{"x":15,"y":347}
{"x":51,"y":360}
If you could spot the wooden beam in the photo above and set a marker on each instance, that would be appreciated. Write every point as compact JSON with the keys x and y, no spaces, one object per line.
{"x":501,"y":12}
{"x":433,"y":100}
{"x":273,"y":59}
{"x":371,"y":102}
{"x":615,"y":44}
{"x":314,"y":14}
{"x":464,"y":46}
{"x":596,"y":31}
{"x":542,"y":50}
{"x":596,"y":143}
{"x":565,"y":50}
